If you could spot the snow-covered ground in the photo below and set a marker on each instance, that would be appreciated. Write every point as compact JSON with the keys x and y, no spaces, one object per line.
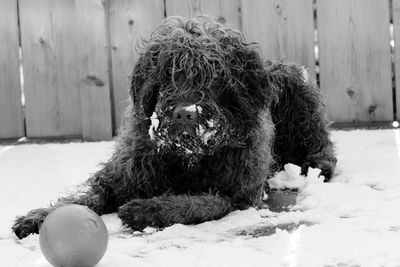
{"x":352,"y":221}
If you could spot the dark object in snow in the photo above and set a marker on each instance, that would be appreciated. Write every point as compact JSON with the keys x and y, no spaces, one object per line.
{"x":281,"y":200}
{"x":210,"y":122}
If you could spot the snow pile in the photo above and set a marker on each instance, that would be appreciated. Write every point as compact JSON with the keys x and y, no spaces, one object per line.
{"x":289,"y":187}
{"x":352,"y":221}
{"x":291,"y":179}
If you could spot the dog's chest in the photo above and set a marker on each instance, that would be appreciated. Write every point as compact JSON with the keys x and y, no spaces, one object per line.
{"x":196,"y":179}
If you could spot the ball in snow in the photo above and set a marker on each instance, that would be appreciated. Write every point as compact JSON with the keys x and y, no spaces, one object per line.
{"x":73,"y":235}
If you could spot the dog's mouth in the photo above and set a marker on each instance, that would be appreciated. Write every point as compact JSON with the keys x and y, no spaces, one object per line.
{"x":189,"y":141}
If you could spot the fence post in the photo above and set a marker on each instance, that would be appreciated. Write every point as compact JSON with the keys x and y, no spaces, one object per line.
{"x":284,"y":29}
{"x":355,"y":64}
{"x":65,"y":67}
{"x":11,"y":115}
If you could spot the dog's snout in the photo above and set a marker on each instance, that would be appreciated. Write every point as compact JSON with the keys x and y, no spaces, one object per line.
{"x":185,"y":114}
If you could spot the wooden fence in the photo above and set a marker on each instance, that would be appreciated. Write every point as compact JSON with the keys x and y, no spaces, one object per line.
{"x":77,"y":56}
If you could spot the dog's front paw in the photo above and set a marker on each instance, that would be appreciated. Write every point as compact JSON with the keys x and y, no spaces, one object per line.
{"x":30,"y":223}
{"x":140,"y":213}
{"x":327,"y":168}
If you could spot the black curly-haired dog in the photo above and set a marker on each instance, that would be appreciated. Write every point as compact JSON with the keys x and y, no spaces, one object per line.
{"x":210,"y":122}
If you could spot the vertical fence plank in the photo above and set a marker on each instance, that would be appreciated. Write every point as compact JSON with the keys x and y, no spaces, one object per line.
{"x":396,"y":28}
{"x":50,"y":68}
{"x":11,"y":116}
{"x":284,"y":29}
{"x":355,"y":70}
{"x":93,"y":75}
{"x":130,"y":20}
{"x":224,"y":11}
{"x":65,"y":67}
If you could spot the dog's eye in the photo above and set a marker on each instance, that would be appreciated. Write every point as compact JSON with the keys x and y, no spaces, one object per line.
{"x":228,"y":100}
{"x":234,"y":106}
{"x":149,"y":101}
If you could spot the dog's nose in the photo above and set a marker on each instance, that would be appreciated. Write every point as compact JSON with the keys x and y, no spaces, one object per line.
{"x":185,"y":114}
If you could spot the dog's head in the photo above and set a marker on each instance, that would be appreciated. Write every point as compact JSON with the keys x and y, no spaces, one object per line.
{"x":200,"y":86}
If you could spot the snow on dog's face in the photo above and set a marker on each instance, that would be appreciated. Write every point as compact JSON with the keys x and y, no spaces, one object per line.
{"x":188,"y":129}
{"x":200,"y":86}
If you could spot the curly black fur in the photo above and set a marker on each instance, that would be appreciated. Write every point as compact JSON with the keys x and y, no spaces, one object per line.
{"x":251,"y":117}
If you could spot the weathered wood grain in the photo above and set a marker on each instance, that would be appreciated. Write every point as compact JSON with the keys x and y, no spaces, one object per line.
{"x":92,"y":78}
{"x":11,"y":115}
{"x":355,"y":68}
{"x":284,"y":29}
{"x":65,"y":67}
{"x":52,"y":96}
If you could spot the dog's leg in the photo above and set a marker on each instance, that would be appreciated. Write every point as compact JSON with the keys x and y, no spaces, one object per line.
{"x":29,"y":223}
{"x":94,"y":194}
{"x":169,"y":209}
{"x":302,"y":134}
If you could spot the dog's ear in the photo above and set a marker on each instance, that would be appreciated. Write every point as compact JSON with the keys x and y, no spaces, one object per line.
{"x":144,"y":96}
{"x":143,"y":91}
{"x":149,"y":100}
{"x":269,"y":89}
{"x":256,"y":77}
{"x":137,"y":82}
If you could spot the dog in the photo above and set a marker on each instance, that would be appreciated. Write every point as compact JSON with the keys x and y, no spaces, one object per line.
{"x":210,"y":122}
